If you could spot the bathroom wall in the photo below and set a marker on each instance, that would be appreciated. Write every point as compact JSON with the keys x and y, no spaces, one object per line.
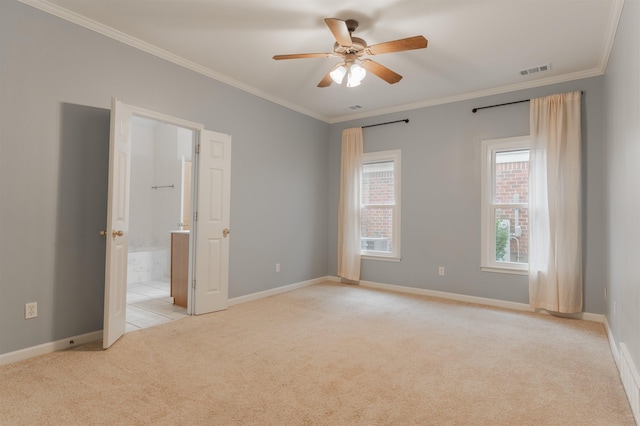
{"x":158,"y":150}
{"x":167,"y":171}
{"x":142,"y":165}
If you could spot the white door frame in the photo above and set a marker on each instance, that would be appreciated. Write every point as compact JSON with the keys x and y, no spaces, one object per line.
{"x":130,"y":111}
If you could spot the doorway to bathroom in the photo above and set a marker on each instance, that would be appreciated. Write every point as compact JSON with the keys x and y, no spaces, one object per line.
{"x":159,"y":215}
{"x":146,"y":215}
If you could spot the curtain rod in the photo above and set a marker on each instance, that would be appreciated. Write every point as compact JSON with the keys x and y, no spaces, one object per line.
{"x":406,"y":120}
{"x":508,"y":103}
{"x":493,"y":106}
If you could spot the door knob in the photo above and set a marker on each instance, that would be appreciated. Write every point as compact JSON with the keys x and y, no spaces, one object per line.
{"x":225,"y":232}
{"x":117,"y":234}
{"x":103,"y":233}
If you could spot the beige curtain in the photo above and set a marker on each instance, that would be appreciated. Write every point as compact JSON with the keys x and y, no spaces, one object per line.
{"x":555,"y":262}
{"x":349,"y":205}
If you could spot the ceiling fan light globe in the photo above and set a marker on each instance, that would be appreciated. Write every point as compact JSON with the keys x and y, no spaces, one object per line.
{"x":356,"y":75}
{"x":337,"y":75}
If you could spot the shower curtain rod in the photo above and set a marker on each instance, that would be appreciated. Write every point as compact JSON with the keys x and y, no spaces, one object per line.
{"x":508,"y":103}
{"x":406,"y":120}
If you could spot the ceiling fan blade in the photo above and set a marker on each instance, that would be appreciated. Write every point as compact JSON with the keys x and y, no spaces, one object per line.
{"x":410,"y":43}
{"x":340,"y":31}
{"x":381,"y":71}
{"x":326,"y":80}
{"x":303,"y":55}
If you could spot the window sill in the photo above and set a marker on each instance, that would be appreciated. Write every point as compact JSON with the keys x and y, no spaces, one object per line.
{"x":383,"y":258}
{"x":503,"y":270}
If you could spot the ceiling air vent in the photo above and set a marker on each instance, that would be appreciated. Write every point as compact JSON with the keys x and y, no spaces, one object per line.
{"x":533,"y":70}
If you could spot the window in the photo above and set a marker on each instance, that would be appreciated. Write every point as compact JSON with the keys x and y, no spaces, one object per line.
{"x":380,"y":205}
{"x":505,"y":205}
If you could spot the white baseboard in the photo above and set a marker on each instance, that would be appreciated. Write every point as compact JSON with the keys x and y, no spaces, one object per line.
{"x":70,"y":342}
{"x":629,"y":374}
{"x":630,"y":380}
{"x":612,"y":343}
{"x":477,"y":300}
{"x":49,"y":347}
{"x":272,"y":292}
{"x":62,"y":344}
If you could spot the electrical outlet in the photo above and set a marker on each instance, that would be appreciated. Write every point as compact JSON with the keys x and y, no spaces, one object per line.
{"x":30,"y":310}
{"x":277,"y":267}
{"x":441,"y":270}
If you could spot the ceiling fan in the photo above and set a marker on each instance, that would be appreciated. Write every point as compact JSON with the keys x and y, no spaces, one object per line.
{"x":351,"y":49}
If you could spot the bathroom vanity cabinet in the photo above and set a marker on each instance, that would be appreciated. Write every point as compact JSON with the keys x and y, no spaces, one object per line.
{"x":180,"y":267}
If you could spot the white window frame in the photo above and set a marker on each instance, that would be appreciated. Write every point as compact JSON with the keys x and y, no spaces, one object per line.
{"x":490,"y":148}
{"x":378,"y":157}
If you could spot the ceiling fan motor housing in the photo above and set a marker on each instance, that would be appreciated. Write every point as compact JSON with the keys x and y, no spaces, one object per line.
{"x":357,"y":46}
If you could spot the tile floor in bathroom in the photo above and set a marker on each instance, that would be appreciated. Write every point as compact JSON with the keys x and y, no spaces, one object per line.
{"x":149,"y":303}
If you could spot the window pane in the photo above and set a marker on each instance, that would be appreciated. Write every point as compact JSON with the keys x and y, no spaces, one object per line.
{"x":512,"y":177}
{"x":377,"y":183}
{"x":512,"y":235}
{"x":376,"y":229}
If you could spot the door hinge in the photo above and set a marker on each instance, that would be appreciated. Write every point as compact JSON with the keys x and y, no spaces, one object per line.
{"x":194,"y":284}
{"x":195,"y":217}
{"x":198,"y":149}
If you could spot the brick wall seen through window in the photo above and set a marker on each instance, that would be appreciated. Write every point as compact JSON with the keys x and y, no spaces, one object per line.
{"x":512,"y":186}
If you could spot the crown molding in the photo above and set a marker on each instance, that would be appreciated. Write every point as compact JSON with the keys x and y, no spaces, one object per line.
{"x":122,"y":37}
{"x":614,"y":20}
{"x":90,"y":24}
{"x":471,"y":95}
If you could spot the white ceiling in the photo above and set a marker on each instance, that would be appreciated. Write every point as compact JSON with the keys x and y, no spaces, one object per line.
{"x":476,"y":47}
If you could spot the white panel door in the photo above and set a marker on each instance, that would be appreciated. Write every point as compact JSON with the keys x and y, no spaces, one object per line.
{"x":115,"y":297}
{"x":212,"y":227}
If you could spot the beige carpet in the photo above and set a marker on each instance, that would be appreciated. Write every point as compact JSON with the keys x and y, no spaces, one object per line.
{"x":331,"y":354}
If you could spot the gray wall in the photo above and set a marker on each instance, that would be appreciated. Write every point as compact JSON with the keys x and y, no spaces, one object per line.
{"x":622,"y":131}
{"x":441,"y":193}
{"x":56,"y":84}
